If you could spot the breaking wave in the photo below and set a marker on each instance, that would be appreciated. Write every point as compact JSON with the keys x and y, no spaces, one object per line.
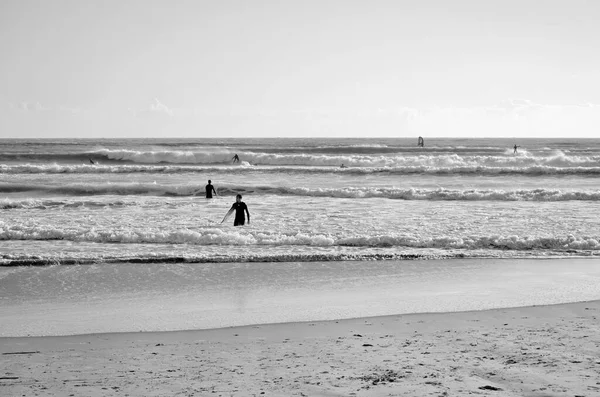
{"x":154,"y":189}
{"x":248,"y":237}
{"x":452,"y":160}
{"x":351,"y":157}
{"x":245,"y":167}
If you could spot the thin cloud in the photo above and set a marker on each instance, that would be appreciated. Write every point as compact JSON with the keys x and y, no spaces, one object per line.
{"x":29,"y":107}
{"x":36,"y":107}
{"x":156,"y":108}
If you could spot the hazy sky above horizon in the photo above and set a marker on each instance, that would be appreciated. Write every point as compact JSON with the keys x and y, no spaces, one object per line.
{"x":299,"y":68}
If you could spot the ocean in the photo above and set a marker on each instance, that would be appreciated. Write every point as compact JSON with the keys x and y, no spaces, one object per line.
{"x":142,"y":205}
{"x":143,"y":200}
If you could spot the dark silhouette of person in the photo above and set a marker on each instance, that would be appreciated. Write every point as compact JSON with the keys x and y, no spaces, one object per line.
{"x":92,"y":161}
{"x":342,"y":166}
{"x":239,"y":206}
{"x":235,"y":158}
{"x":421,"y":142}
{"x":210,"y":189}
{"x":515,"y":148}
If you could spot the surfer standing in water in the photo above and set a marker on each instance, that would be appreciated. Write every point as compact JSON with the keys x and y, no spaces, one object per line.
{"x":515,"y":149}
{"x":239,"y":206}
{"x":235,"y":158}
{"x":421,"y":142}
{"x":210,"y":189}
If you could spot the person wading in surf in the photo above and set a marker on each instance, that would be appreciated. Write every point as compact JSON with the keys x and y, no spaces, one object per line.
{"x":210,"y":189}
{"x":239,"y":206}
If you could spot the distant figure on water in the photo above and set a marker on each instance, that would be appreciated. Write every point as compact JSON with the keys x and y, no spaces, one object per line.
{"x":342,"y":166}
{"x":235,"y":158}
{"x":210,"y":189}
{"x":239,"y":206}
{"x":92,"y":162}
{"x":515,"y":149}
{"x":421,"y":142}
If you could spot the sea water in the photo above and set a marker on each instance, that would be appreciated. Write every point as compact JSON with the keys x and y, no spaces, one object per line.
{"x":142,"y":201}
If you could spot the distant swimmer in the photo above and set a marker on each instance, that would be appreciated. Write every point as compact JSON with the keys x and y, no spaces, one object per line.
{"x":92,"y":162}
{"x":239,"y":206}
{"x":421,"y":142}
{"x":235,"y":158}
{"x":210,"y":189}
{"x":342,"y":166}
{"x":515,"y":149}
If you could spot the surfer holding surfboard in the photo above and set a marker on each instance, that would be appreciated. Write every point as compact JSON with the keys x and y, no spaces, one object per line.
{"x":239,"y":206}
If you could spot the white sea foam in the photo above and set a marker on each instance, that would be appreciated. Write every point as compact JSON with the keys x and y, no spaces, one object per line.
{"x":458,"y":167}
{"x":155,"y":189}
{"x":46,"y":204}
{"x":218,"y":236}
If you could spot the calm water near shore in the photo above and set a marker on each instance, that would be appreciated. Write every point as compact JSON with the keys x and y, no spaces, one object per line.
{"x":65,"y":300}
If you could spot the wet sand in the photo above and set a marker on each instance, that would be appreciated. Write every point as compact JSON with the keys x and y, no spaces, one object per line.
{"x":530,"y":351}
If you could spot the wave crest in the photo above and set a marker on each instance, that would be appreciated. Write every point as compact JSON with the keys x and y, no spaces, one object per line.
{"x":247,"y":236}
{"x":154,"y":189}
{"x":246,"y":167}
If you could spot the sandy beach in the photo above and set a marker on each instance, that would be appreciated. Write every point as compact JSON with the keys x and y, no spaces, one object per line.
{"x":530,"y":351}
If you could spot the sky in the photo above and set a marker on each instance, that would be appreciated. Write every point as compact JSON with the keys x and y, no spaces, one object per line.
{"x":310,"y":68}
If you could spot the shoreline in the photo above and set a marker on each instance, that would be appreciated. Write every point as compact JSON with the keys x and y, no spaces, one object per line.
{"x":547,"y":350}
{"x":110,"y":298}
{"x":291,"y":324}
